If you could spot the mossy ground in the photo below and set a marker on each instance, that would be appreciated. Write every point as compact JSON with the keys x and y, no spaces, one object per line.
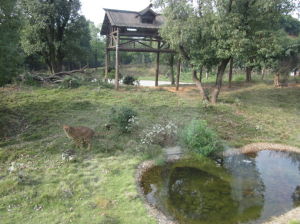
{"x":99,"y":187}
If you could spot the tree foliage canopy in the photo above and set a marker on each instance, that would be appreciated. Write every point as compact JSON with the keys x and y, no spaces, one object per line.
{"x":10,"y":54}
{"x":290,"y":25}
{"x":53,"y":29}
{"x":210,"y":32}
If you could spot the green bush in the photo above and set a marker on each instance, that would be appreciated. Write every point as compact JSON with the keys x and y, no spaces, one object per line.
{"x":112,"y":74}
{"x":124,"y":118}
{"x":239,"y":78}
{"x":201,"y":139}
{"x":31,"y":80}
{"x":129,"y":80}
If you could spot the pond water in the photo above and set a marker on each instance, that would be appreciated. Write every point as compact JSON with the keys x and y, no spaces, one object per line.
{"x":243,"y":188}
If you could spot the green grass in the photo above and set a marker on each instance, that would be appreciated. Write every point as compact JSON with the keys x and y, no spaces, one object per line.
{"x":294,"y":222}
{"x":99,"y":187}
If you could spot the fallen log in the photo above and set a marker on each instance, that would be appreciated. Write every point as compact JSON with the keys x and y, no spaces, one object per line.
{"x":59,"y":74}
{"x":55,"y":78}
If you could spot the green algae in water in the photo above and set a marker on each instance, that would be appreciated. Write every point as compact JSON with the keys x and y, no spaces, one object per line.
{"x":239,"y":189}
{"x":195,"y":195}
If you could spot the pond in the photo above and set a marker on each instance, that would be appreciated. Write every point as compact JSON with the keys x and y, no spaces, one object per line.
{"x":241,"y":188}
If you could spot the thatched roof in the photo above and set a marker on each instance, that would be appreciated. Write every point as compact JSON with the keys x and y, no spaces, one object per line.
{"x":130,"y":19}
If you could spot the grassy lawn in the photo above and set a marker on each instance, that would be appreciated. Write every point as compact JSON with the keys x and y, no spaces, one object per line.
{"x":99,"y":186}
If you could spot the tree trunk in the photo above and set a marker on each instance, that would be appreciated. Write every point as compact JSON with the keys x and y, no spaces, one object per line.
{"x":295,"y":76}
{"x":157,"y":65}
{"x":55,"y":56}
{"x":52,"y":63}
{"x":277,"y":80}
{"x":199,"y":85}
{"x":263,"y":74}
{"x":217,"y":88}
{"x":248,"y":74}
{"x":172,"y":70}
{"x":230,"y":73}
{"x":59,"y":64}
{"x":201,"y":74}
{"x":178,"y":74}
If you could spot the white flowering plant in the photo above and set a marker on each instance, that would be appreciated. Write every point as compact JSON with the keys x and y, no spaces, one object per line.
{"x":160,"y":134}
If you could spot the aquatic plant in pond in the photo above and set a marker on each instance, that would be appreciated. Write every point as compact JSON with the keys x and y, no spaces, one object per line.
{"x":235,"y":189}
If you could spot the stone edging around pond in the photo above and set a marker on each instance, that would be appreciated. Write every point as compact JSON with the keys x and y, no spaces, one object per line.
{"x":254,"y":147}
{"x":293,"y":215}
{"x":160,"y":217}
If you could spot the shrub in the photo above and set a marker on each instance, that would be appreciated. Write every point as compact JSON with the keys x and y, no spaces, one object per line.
{"x":201,"y":139}
{"x":239,"y":78}
{"x":160,"y":134}
{"x":112,"y":74}
{"x":31,"y":80}
{"x":129,"y":80}
{"x":124,"y":118}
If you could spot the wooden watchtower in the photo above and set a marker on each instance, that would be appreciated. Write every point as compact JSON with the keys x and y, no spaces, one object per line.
{"x":133,"y":32}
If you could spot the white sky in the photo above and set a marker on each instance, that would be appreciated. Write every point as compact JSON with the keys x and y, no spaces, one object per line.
{"x":93,"y":9}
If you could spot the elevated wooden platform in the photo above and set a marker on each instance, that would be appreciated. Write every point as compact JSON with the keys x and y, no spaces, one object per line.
{"x":130,"y":31}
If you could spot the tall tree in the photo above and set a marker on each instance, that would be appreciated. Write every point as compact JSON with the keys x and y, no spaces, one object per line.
{"x":46,"y":26}
{"x":287,"y":60}
{"x":290,"y":25}
{"x":210,"y":32}
{"x":76,"y":44}
{"x":10,"y":53}
{"x":97,"y":46}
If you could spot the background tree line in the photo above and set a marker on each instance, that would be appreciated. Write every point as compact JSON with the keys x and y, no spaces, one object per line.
{"x":249,"y":33}
{"x":52,"y":36}
{"x":47,"y":35}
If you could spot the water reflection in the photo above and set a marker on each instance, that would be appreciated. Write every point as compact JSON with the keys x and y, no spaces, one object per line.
{"x":247,"y":186}
{"x":296,"y":196}
{"x":242,"y":189}
{"x":281,"y":176}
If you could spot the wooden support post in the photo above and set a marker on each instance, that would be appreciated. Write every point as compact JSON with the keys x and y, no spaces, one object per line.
{"x":106,"y":58}
{"x":178,"y":74}
{"x":172,"y":69}
{"x":157,"y":65}
{"x":117,"y":60}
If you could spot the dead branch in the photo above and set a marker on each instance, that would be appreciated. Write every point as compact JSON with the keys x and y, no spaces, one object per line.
{"x":57,"y":77}
{"x":60,"y":74}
